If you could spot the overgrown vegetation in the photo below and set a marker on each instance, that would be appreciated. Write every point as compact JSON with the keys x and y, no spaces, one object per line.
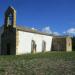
{"x":50,"y":63}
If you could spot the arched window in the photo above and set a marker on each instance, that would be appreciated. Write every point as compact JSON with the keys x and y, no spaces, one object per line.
{"x":33,"y":46}
{"x":10,"y":19}
{"x":43,"y":46}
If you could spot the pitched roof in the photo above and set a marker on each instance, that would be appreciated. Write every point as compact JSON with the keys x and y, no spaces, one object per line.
{"x":26,"y":29}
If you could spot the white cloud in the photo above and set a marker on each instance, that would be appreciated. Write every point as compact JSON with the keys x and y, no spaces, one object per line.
{"x":56,"y":33}
{"x":47,"y":30}
{"x":70,"y":31}
{"x":33,"y":28}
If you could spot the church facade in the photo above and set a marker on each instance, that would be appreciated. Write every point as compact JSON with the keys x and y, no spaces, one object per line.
{"x":16,"y":40}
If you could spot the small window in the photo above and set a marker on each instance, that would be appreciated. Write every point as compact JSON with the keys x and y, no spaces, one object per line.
{"x":43,"y":46}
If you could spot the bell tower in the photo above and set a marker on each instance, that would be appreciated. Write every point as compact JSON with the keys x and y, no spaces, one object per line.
{"x":10,"y":17}
{"x":8,"y":37}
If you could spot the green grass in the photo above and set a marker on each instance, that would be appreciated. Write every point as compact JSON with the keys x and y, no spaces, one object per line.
{"x":49,"y":63}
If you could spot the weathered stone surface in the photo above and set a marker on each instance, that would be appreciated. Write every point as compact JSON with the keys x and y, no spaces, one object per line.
{"x":62,"y":44}
{"x":59,"y":44}
{"x":68,"y":44}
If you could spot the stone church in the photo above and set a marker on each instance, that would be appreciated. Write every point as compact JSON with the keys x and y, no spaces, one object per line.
{"x":16,"y":40}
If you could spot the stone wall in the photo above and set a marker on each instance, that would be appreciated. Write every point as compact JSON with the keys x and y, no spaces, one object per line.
{"x":58,"y":44}
{"x":1,"y":31}
{"x":24,"y":44}
{"x":61,"y":43}
{"x":17,"y":41}
{"x":8,"y":41}
{"x":68,"y":44}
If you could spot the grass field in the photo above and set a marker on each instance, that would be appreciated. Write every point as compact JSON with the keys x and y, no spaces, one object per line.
{"x":50,"y":63}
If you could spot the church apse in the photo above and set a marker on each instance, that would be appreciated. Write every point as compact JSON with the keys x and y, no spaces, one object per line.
{"x":58,"y":44}
{"x":62,"y":44}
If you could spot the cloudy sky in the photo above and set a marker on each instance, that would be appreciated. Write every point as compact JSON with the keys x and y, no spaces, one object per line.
{"x":51,"y":16}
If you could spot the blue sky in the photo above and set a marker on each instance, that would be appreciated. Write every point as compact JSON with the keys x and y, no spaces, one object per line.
{"x":52,"y":15}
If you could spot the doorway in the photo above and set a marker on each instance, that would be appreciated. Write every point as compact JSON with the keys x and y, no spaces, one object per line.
{"x":8,"y":49}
